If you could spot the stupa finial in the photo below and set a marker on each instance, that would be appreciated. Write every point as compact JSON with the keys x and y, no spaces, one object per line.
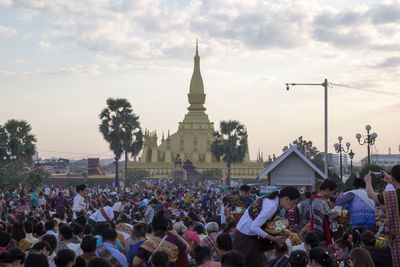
{"x":197,"y":45}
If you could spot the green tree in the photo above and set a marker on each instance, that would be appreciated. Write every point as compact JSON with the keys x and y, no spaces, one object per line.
{"x":34,"y":179}
{"x":378,"y":184}
{"x":16,"y":136}
{"x":310,"y":151}
{"x":118,"y":124}
{"x":135,"y":176}
{"x":332,"y":175}
{"x":348,"y":185}
{"x":212,"y":174}
{"x":230,"y":144}
{"x":85,"y":175}
{"x":134,"y":143}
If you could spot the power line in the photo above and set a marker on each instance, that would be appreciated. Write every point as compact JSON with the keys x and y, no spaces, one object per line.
{"x":367,"y":90}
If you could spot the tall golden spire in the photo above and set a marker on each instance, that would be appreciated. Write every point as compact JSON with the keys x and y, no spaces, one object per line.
{"x":196,"y":94}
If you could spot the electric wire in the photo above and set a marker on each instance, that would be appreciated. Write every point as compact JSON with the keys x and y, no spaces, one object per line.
{"x":366,"y":90}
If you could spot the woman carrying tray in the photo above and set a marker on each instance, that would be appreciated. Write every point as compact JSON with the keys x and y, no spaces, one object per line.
{"x":250,"y":237}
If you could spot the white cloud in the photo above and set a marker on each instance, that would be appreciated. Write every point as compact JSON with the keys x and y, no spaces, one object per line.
{"x":6,"y":2}
{"x":45,"y":44}
{"x":7,"y":31}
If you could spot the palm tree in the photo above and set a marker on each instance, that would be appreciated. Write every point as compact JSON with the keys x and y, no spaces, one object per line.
{"x":134,"y":143}
{"x":118,"y":125}
{"x":230,"y":144}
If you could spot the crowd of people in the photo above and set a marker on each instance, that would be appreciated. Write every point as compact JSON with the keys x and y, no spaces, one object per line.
{"x":160,"y":223}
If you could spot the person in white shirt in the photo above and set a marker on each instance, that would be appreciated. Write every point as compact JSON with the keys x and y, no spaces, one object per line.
{"x":80,"y":206}
{"x":119,"y":207}
{"x":104,"y":214}
{"x":250,"y":238}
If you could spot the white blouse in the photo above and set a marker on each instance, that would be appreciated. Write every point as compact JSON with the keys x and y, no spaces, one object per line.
{"x":249,"y":227}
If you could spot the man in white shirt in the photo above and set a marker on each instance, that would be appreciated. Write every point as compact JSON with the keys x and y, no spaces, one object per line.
{"x":149,"y":214}
{"x":80,"y":206}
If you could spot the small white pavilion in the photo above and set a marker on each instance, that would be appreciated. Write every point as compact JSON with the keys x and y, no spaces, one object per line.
{"x":292,"y":168}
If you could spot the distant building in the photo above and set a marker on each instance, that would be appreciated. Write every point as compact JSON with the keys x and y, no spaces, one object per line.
{"x":334,"y":162}
{"x":386,"y":160}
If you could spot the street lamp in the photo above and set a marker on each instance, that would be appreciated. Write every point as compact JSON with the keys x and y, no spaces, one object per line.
{"x":11,"y":158}
{"x":368,"y":139}
{"x":351,"y":155}
{"x":339,"y":148}
{"x":325,"y":85}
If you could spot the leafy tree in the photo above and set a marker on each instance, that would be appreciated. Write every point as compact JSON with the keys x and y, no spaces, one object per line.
{"x":134,"y":143}
{"x":211,"y":174}
{"x":378,"y":184}
{"x":230,"y":144}
{"x":310,"y":151}
{"x":16,"y":136}
{"x":348,"y":185}
{"x":118,"y":125}
{"x":135,"y":176}
{"x":332,"y":175}
{"x":85,"y":175}
{"x":34,"y":179}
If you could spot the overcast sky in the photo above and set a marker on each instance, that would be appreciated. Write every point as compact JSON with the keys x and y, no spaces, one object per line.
{"x":61,"y":59}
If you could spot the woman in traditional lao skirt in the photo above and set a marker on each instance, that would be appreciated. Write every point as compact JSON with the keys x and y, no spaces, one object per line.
{"x":320,"y":212}
{"x":390,"y":199}
{"x":250,"y":237}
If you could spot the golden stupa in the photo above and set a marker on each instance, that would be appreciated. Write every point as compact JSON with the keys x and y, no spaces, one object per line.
{"x":192,"y":141}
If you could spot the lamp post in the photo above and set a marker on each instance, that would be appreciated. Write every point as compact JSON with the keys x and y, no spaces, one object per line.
{"x":339,"y":148}
{"x":351,"y":155}
{"x":368,"y":139}
{"x":325,"y":85}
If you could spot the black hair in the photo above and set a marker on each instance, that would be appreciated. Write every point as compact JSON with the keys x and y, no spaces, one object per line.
{"x":199,"y":229}
{"x":320,"y":256}
{"x":233,"y":258}
{"x":160,"y":222}
{"x":16,"y":254}
{"x":159,"y":259}
{"x":38,"y":229}
{"x":328,"y":184}
{"x":66,"y":232}
{"x":98,"y":262}
{"x":76,"y":228}
{"x":307,"y":194}
{"x":36,"y":260}
{"x":245,"y":188}
{"x":290,"y":191}
{"x":311,"y":239}
{"x":52,"y":240}
{"x":343,"y":244}
{"x":88,"y":243}
{"x":201,"y":254}
{"x":298,"y":258}
{"x":40,"y":245}
{"x":49,"y":225}
{"x":80,"y":188}
{"x":109,"y":235}
{"x":5,"y":239}
{"x":28,"y":227}
{"x":18,"y":231}
{"x":395,"y":172}
{"x":139,"y":231}
{"x":224,"y":241}
{"x":101,"y":227}
{"x":88,"y":229}
{"x":359,"y":183}
{"x":64,"y":257}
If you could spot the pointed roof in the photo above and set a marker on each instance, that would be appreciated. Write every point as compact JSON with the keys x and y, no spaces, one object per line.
{"x":292,"y":149}
{"x":196,"y":83}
